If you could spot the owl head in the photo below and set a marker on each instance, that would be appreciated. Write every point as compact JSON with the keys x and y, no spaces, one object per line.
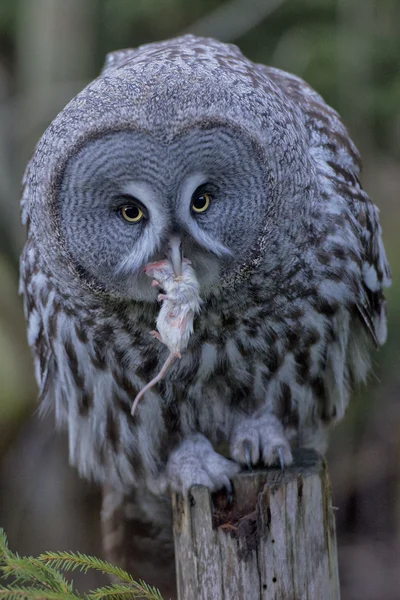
{"x":178,"y":149}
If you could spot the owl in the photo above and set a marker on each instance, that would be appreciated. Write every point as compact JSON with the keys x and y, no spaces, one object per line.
{"x":185,"y":149}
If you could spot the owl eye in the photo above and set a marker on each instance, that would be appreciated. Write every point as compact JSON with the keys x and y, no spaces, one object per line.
{"x":201,"y":202}
{"x":132,"y":213}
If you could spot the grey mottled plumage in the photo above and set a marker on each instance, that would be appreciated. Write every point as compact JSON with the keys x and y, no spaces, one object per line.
{"x":288,"y":255}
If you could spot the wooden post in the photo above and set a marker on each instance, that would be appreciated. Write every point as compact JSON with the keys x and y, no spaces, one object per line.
{"x":275,"y":540}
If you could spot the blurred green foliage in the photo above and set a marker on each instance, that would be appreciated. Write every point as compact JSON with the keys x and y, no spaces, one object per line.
{"x":303,"y":36}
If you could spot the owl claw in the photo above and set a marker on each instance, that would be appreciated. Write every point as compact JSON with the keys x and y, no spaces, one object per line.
{"x":279,"y":452}
{"x":260,"y":438}
{"x":229,"y":492}
{"x":247,"y":455}
{"x":195,"y":462}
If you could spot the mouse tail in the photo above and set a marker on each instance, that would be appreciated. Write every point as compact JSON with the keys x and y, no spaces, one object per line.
{"x":171,"y":358}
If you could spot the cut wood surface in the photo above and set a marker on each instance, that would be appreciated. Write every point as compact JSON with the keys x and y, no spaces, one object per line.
{"x":274,"y":540}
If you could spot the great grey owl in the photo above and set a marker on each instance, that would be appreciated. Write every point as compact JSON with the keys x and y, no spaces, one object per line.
{"x":187,"y":148}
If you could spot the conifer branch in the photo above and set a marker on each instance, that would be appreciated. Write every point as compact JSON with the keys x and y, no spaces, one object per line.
{"x":40,"y":578}
{"x":70,"y":561}
{"x":122,"y":591}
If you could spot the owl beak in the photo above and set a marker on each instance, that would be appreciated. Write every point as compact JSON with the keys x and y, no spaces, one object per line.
{"x":175,"y":255}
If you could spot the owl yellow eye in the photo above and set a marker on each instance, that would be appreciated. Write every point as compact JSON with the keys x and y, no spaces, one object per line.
{"x":201,"y":203}
{"x":132,"y":214}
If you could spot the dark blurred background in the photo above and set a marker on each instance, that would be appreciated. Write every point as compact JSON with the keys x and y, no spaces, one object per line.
{"x":349,"y":51}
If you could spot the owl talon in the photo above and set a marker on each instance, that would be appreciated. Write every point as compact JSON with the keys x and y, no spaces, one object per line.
{"x":195,"y":462}
{"x":260,"y":438}
{"x":229,"y":493}
{"x":247,"y":455}
{"x":279,"y":452}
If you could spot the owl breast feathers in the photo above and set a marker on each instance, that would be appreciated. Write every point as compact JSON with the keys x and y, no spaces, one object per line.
{"x":257,"y":179}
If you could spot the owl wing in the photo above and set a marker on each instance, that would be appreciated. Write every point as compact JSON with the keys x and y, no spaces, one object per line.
{"x":35,"y":291}
{"x":38,"y":304}
{"x":338,"y":164}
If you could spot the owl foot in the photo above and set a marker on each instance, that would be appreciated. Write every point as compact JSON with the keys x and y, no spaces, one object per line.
{"x":195,"y":462}
{"x":261,"y":439}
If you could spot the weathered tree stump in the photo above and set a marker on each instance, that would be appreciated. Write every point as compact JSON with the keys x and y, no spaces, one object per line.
{"x":274,"y":540}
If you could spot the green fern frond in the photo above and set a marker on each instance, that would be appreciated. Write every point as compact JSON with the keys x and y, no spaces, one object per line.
{"x":150,"y":590}
{"x":70,"y":561}
{"x":120,"y":591}
{"x":4,"y":550}
{"x":31,"y":569}
{"x":40,"y":578}
{"x":13,"y":592}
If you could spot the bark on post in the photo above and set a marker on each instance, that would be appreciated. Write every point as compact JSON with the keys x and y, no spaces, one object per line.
{"x":276,"y":540}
